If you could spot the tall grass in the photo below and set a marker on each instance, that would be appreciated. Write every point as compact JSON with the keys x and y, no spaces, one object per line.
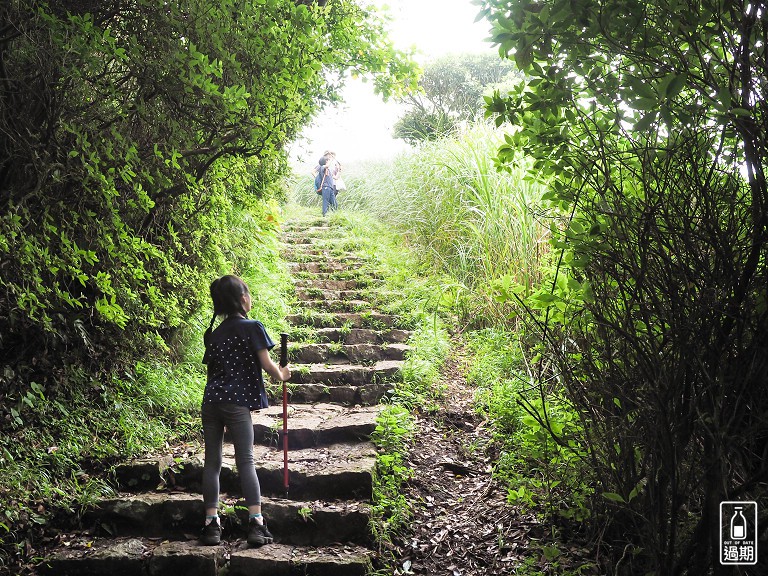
{"x":472,"y":225}
{"x":465,"y":218}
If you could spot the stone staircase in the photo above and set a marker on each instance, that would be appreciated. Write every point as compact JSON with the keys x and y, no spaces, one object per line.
{"x":345,"y":355}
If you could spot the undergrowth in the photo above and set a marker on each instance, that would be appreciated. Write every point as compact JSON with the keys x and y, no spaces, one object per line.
{"x":62,"y":437}
{"x":473,"y":231}
{"x":546,"y":477}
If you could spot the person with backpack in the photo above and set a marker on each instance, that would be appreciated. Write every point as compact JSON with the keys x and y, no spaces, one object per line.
{"x":236,"y":352}
{"x":335,"y":167}
{"x":325,"y":185}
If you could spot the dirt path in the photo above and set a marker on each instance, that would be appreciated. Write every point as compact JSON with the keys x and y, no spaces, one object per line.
{"x":462,"y":525}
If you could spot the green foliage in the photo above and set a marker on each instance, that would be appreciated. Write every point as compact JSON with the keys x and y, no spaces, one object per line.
{"x":541,"y":462}
{"x":130,"y":132}
{"x":74,"y":425}
{"x":648,"y":120}
{"x":450,"y":92}
{"x":421,"y":371}
{"x":390,"y":511}
{"x":469,"y":224}
{"x":420,"y":125}
{"x":141,"y":154}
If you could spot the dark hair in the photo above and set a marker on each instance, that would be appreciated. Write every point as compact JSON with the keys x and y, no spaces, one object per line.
{"x":227,"y":295}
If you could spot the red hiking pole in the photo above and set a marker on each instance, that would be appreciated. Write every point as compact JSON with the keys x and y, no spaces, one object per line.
{"x":284,"y":362}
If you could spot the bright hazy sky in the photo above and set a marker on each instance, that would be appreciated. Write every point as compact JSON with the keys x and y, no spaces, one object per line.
{"x":361,"y":128}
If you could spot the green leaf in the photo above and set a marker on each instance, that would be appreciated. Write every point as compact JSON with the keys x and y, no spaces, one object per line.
{"x":642,"y":88}
{"x":645,"y":104}
{"x":646,"y":121}
{"x":674,"y":84}
{"x":614,"y":497}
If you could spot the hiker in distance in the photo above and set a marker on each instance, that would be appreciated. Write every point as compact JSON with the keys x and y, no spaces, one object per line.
{"x":335,"y":167}
{"x":325,"y":185}
{"x":236,"y":352}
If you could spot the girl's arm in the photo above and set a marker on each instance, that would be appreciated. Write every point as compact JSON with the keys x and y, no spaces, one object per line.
{"x":281,"y":373}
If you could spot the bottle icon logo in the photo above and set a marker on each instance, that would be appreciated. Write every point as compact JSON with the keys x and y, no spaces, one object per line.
{"x":738,"y":524}
{"x":738,"y":533}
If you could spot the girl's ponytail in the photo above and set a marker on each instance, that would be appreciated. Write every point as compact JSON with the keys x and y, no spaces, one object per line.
{"x":208,"y":331}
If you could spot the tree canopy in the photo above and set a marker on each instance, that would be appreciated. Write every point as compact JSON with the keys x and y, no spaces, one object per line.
{"x":649,"y":123}
{"x":129,"y":130}
{"x":450,"y":91}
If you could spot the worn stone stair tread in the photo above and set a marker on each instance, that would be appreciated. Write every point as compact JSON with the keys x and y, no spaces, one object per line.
{"x":353,"y":319}
{"x":362,"y":335}
{"x":334,"y":306}
{"x":314,"y":424}
{"x":318,"y":279}
{"x":325,"y":266}
{"x":309,"y":251}
{"x":282,"y":560}
{"x":327,"y":284}
{"x":337,"y":471}
{"x":88,"y":556}
{"x":329,"y":353}
{"x":366,"y":394}
{"x":345,"y":374}
{"x":342,"y":457}
{"x":179,"y":513}
{"x":303,"y":230}
{"x":314,"y":294}
{"x":342,"y":470}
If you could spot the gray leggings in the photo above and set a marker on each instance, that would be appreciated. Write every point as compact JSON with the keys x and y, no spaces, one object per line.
{"x":238,"y":421}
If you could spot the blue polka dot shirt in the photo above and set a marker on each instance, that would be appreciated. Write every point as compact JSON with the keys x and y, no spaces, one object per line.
{"x":234,"y":370}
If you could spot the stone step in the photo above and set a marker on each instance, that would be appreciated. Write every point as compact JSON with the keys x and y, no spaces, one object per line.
{"x":88,"y":556}
{"x":327,"y":266}
{"x":362,"y":336}
{"x":304,"y":222}
{"x":345,"y":374}
{"x":327,"y":284}
{"x":314,"y":425}
{"x":365,"y":395}
{"x":308,"y":236}
{"x":180,"y":515}
{"x":345,"y":336}
{"x":297,"y":239}
{"x":317,"y":229}
{"x":346,"y":354}
{"x":354,"y":273}
{"x":323,"y":243}
{"x":342,"y":470}
{"x":334,"y":306}
{"x":281,"y":560}
{"x":304,"y":252}
{"x":320,"y":294}
{"x":351,"y":319}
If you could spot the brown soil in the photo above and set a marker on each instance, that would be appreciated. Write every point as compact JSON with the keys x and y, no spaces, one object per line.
{"x":462,"y":524}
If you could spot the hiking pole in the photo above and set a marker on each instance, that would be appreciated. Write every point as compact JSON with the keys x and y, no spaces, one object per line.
{"x":284,"y":362}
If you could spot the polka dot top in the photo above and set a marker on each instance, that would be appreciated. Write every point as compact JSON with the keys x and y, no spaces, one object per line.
{"x":234,"y":370}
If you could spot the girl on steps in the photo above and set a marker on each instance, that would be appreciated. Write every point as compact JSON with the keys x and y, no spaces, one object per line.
{"x":236,"y":352}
